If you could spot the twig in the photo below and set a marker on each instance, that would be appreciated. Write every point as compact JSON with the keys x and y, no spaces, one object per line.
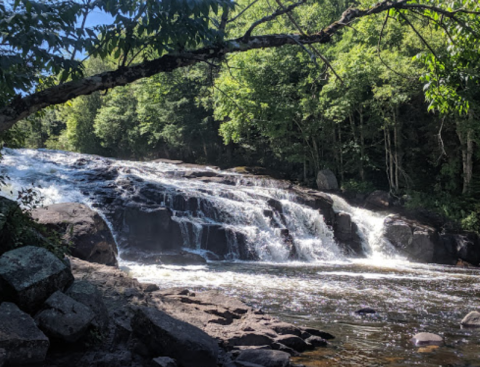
{"x":242,"y":12}
{"x":270,"y":17}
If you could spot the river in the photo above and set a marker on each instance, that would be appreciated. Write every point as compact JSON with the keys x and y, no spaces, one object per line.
{"x":323,"y":290}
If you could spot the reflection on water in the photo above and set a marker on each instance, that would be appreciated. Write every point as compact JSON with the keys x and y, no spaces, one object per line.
{"x":409,"y":298}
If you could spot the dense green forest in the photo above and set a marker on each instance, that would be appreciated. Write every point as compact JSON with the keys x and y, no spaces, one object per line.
{"x":392,"y":104}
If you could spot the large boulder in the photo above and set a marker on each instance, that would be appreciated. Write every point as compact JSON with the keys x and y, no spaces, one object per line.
{"x":20,"y":338}
{"x":326,"y":180}
{"x":346,"y":233}
{"x":164,"y":335}
{"x":378,"y":200}
{"x":413,"y":240}
{"x":64,"y":318}
{"x":29,"y":275}
{"x":87,"y":294}
{"x":468,"y":248}
{"x":8,"y":209}
{"x":90,"y":236}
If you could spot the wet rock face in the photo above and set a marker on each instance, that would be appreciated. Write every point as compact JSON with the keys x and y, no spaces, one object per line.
{"x":150,"y":229}
{"x":84,"y":228}
{"x":20,"y":339}
{"x":346,"y":232}
{"x":64,"y":318}
{"x":424,"y":244}
{"x":417,"y":242}
{"x":29,"y":275}
{"x":163,"y":334}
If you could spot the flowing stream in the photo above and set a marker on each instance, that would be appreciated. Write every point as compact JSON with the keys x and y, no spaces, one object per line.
{"x":321,"y":288}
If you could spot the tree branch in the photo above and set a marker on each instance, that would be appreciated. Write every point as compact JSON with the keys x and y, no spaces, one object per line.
{"x":323,"y":58}
{"x":23,"y":106}
{"x":270,"y":17}
{"x":242,"y":12}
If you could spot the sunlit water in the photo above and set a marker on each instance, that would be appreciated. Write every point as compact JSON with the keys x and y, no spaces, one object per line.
{"x":323,"y":292}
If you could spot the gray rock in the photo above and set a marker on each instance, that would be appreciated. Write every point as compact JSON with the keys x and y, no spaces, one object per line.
{"x":415,"y":241}
{"x":346,"y":233}
{"x":398,"y":232}
{"x":326,"y":180}
{"x":250,"y":338}
{"x":287,"y":329}
{"x":468,"y":248}
{"x":164,"y":362}
{"x":264,"y":357}
{"x":423,"y":339}
{"x":29,"y":275}
{"x":471,"y":320}
{"x":87,"y":294}
{"x":20,"y":339}
{"x":150,"y":287}
{"x":316,"y":341}
{"x":319,"y":333}
{"x":64,"y":318}
{"x":294,"y":342}
{"x":91,"y":237}
{"x":163,"y":334}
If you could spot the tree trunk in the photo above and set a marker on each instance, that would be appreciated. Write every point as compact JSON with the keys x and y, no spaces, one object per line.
{"x":465,"y":136}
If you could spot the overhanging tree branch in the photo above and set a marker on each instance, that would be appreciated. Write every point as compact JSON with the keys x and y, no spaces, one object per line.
{"x":21,"y":107}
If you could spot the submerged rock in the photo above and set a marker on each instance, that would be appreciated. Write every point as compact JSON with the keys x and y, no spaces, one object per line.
{"x":264,"y":357}
{"x":170,"y":258}
{"x":423,"y":339}
{"x":84,"y":228}
{"x":29,"y":275}
{"x":471,"y":320}
{"x":20,"y":339}
{"x":366,"y":311}
{"x":64,"y":318}
{"x":162,"y":334}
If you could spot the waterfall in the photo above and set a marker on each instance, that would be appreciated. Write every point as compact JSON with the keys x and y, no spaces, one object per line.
{"x":370,"y":229}
{"x":221,"y":215}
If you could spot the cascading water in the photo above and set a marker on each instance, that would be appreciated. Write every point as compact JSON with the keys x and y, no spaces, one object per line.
{"x":252,"y":213}
{"x":301,"y":273}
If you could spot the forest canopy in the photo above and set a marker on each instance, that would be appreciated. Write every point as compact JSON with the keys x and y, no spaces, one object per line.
{"x":386,"y":94}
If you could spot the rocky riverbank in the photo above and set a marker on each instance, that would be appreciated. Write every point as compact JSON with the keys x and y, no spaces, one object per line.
{"x":56,"y":313}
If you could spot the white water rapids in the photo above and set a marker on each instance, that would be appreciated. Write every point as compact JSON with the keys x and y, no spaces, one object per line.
{"x":321,"y":288}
